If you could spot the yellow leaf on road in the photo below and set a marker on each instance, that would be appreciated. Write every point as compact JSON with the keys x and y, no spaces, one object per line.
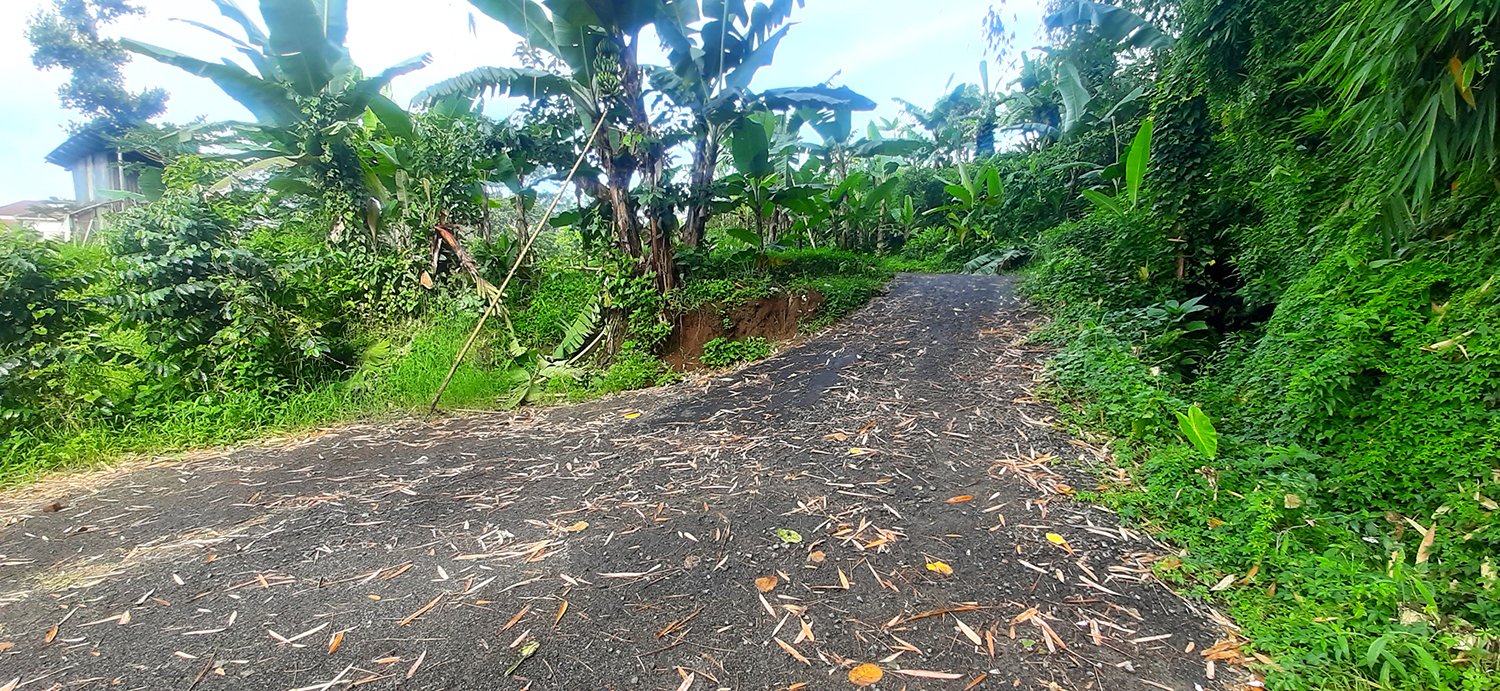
{"x":865,"y":674}
{"x":1060,"y":541}
{"x":940,"y":567}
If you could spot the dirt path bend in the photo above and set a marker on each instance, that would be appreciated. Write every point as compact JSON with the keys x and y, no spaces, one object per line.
{"x":629,"y":539}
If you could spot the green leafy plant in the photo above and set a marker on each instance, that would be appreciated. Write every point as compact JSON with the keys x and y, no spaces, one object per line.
{"x":1137,"y":162}
{"x":1199,"y":430}
{"x":723,"y":352}
{"x":44,"y":329}
{"x":305,"y":93}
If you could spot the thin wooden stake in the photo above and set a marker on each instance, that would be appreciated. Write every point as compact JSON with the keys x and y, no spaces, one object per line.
{"x":499,"y":293}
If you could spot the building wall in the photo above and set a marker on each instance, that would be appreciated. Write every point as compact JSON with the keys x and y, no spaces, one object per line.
{"x":92,"y":174}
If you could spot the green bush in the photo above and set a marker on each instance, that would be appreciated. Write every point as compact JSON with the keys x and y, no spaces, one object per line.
{"x":841,"y":296}
{"x":722,"y":352}
{"x":821,"y":261}
{"x":634,"y":367}
{"x":44,"y":330}
{"x":551,"y":302}
{"x":214,"y":311}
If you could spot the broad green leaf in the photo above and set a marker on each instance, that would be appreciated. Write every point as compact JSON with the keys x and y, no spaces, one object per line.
{"x":524,"y":18}
{"x":267,"y":101}
{"x":1199,"y":431}
{"x":817,"y":97}
{"x":273,"y":163}
{"x":1137,"y":160}
{"x":750,"y":148}
{"x":359,"y":96}
{"x":744,"y":235}
{"x":394,"y":117}
{"x":518,"y":82}
{"x":1075,"y":96}
{"x":759,"y":58}
{"x":300,"y":45}
{"x":1104,"y":201}
{"x":961,"y":193}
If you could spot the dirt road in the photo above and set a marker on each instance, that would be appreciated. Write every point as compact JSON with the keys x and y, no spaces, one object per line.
{"x":921,"y":496}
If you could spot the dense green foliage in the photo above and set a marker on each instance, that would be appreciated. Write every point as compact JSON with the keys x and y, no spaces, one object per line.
{"x":1338,"y":331}
{"x":722,"y":352}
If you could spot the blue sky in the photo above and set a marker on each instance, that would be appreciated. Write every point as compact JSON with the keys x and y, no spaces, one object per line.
{"x":881,"y":48}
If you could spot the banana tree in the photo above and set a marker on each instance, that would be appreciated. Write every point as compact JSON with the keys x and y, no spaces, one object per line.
{"x":595,"y":46}
{"x":839,"y":155}
{"x":1132,"y":169}
{"x":303,"y":89}
{"x":904,"y":215}
{"x":713,"y":63}
{"x":946,"y":121}
{"x":765,"y":182}
{"x":972,"y":195}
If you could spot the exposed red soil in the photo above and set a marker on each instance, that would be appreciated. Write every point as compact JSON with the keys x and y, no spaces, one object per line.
{"x":775,"y":318}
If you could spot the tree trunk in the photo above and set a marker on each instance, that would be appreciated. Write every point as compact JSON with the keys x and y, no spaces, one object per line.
{"x":700,"y":190}
{"x":661,"y":220}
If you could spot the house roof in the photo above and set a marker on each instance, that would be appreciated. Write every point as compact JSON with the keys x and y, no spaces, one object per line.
{"x":90,"y":139}
{"x":34,"y":208}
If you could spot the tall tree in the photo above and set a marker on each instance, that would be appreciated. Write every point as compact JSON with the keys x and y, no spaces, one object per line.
{"x":597,"y":68}
{"x":305,"y":93}
{"x":67,"y":36}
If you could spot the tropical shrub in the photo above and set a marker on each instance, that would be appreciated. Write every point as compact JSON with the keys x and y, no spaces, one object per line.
{"x":45,"y":320}
{"x":213,"y":310}
{"x":723,"y":352}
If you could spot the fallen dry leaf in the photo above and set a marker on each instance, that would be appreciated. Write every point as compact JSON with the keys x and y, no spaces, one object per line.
{"x":335,"y":642}
{"x":928,"y":674}
{"x":766,"y":584}
{"x":940,"y":567}
{"x":576,"y":527}
{"x":793,"y":652}
{"x":817,"y":557}
{"x":865,"y":674}
{"x":968,"y":632}
{"x":1060,"y":541}
{"x":1225,"y":582}
{"x":961,"y":499}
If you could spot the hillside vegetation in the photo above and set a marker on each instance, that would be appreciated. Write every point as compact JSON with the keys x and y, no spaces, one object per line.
{"x":1265,"y":232}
